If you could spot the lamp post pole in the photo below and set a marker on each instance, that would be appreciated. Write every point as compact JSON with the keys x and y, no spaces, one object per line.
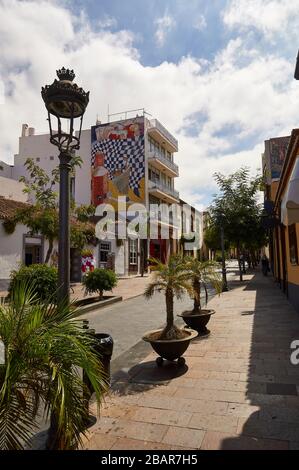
{"x":65,"y":102}
{"x":224,"y":280}
{"x":64,"y":228}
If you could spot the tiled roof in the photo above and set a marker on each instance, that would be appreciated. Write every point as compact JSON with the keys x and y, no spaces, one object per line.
{"x":8,"y":207}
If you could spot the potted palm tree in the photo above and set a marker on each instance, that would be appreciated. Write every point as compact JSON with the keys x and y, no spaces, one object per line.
{"x":169,"y":342}
{"x":201,"y":274}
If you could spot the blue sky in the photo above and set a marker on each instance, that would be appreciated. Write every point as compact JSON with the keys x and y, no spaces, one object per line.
{"x":184,"y":39}
{"x":217,"y":73}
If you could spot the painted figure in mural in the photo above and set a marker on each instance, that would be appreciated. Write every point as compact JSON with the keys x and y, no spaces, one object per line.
{"x":121,"y":178}
{"x":99,"y":181}
{"x":122,"y":145}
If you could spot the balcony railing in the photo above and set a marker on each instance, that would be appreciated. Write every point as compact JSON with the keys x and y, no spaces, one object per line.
{"x":154,"y":123}
{"x":164,"y":188}
{"x":165,"y":161}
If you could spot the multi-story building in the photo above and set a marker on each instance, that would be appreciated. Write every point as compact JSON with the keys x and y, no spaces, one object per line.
{"x":131,"y":159}
{"x":282,"y":213}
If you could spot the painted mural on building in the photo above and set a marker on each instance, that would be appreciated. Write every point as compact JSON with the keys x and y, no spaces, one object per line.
{"x":278,"y":149}
{"x":117,"y":162}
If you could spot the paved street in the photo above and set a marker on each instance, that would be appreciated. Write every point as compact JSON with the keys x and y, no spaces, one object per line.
{"x":127,"y":321}
{"x":237,"y":391}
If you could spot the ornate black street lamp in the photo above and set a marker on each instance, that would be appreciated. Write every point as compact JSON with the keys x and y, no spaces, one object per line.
{"x":65,"y":102}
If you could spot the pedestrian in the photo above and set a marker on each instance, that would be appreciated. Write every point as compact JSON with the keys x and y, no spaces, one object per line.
{"x":265,"y":265}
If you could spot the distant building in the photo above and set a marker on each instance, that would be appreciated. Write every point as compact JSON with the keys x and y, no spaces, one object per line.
{"x":282,"y":216}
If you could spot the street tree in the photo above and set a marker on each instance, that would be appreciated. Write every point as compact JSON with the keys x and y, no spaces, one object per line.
{"x":41,"y":216}
{"x":237,"y":209}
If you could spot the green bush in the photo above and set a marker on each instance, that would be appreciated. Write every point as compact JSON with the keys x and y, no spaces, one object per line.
{"x":43,"y":277}
{"x":99,"y":280}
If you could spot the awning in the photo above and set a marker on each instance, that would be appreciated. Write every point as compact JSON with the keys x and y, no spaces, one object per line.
{"x":290,"y":203}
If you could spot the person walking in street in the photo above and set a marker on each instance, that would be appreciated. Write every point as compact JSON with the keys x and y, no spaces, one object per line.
{"x":265,"y":265}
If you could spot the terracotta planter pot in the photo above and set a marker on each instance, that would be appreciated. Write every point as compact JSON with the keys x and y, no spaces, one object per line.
{"x":171,"y":349}
{"x":198,"y":321}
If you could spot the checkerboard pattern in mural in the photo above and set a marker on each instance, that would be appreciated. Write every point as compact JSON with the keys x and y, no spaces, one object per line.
{"x":116,"y":152}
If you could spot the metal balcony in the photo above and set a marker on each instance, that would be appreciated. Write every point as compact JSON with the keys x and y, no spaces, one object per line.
{"x":162,"y":191}
{"x":162,"y":135}
{"x":163,"y":164}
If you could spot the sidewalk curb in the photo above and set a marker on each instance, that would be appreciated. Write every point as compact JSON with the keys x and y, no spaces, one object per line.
{"x":99,"y":305}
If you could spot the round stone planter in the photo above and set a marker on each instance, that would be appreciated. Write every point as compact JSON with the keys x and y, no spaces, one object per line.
{"x":171,"y":349}
{"x":198,"y":321}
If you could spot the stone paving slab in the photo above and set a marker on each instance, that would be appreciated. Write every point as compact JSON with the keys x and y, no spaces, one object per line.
{"x":238,"y":389}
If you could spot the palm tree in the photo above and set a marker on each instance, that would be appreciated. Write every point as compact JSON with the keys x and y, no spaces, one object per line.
{"x":172,"y":279}
{"x":45,"y":346}
{"x":202,"y":274}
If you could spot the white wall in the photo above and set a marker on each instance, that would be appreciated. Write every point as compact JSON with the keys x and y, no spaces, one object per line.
{"x":39,"y":146}
{"x":120,"y":267}
{"x":5,"y":170}
{"x":11,"y":249}
{"x":83,"y":175}
{"x":11,"y":189}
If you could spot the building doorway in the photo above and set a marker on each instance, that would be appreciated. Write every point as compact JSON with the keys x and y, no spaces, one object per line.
{"x":32,"y":250}
{"x":158,"y":250}
{"x":104,"y":250}
{"x":133,"y":256}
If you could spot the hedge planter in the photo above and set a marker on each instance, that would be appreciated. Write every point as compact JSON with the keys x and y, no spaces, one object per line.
{"x":197,"y":321}
{"x":169,"y":349}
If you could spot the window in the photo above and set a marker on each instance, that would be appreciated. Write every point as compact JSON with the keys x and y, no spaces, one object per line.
{"x":38,"y":159}
{"x":133,"y":251}
{"x":153,"y":175}
{"x":104,"y":250}
{"x":293,"y":250}
{"x":51,"y":158}
{"x":1,"y":168}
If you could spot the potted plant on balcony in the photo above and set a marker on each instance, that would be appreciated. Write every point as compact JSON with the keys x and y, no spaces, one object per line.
{"x":201,"y":274}
{"x":169,"y":342}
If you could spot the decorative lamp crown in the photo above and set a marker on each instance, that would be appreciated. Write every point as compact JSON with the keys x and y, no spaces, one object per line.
{"x":64,"y":98}
{"x":65,"y":74}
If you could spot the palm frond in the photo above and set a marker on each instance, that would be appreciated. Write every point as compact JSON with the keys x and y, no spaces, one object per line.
{"x":45,"y":347}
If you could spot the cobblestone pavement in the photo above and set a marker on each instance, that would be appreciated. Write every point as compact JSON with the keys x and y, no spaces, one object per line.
{"x":238,"y":389}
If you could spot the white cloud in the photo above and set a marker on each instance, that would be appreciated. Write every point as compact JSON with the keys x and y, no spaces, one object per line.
{"x":268,"y":16}
{"x":107,"y":22}
{"x":200,"y":23}
{"x":215,"y":109}
{"x":164,"y":25}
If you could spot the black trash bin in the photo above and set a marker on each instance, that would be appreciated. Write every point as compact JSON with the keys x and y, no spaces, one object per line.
{"x":104,"y":348}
